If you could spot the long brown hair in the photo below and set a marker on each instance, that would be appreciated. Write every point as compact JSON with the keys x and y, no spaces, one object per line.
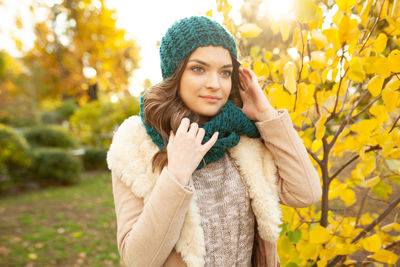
{"x":164,"y":109}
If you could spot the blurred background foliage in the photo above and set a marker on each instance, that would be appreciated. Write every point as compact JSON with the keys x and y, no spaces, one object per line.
{"x":56,"y":109}
{"x":333,"y":64}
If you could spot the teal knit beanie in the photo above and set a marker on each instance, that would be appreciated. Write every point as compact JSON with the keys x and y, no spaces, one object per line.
{"x":185,"y":35}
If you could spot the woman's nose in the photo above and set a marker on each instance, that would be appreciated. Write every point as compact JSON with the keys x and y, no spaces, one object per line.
{"x":213,"y":81}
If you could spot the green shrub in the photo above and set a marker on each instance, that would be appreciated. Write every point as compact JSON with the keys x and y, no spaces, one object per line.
{"x":14,"y":156}
{"x":50,"y":117}
{"x":95,"y":158}
{"x":67,"y":108}
{"x":53,"y":166}
{"x":49,"y":136}
{"x":95,"y":121}
{"x":59,"y":113}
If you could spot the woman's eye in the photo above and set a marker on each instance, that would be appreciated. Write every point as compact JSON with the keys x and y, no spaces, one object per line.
{"x":227,"y":73}
{"x":197,"y":69}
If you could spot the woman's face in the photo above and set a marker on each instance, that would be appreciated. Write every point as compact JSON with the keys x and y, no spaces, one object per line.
{"x":206,"y":81}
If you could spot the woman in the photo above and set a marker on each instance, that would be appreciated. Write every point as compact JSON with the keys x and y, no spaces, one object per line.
{"x":198,"y":177}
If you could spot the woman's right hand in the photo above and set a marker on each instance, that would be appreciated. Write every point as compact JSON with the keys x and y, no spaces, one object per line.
{"x":185,"y":150}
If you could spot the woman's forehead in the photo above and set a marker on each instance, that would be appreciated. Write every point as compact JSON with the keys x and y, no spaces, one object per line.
{"x":212,"y":55}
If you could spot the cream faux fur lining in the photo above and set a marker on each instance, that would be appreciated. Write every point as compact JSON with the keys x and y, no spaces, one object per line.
{"x":131,"y":152}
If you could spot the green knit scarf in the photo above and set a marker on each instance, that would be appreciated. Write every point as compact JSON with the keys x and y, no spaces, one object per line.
{"x":231,"y":122}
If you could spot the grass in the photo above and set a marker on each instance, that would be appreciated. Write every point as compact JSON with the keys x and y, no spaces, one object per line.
{"x":64,"y":226}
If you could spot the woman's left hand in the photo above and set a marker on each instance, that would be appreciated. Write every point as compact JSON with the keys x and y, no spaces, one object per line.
{"x":255,"y":103}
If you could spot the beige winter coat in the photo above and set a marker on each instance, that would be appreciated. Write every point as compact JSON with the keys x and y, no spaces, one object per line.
{"x":158,"y":220}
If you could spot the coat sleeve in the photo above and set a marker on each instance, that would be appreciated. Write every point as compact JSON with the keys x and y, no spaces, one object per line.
{"x":298,"y":180}
{"x":147,"y":233}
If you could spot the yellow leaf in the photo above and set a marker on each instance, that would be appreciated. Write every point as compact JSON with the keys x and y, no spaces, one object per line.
{"x":77,"y":234}
{"x":307,"y":250}
{"x":382,"y":67}
{"x":314,"y":78}
{"x":278,"y":97}
{"x":258,"y":65}
{"x":275,"y":27}
{"x":306,"y":11}
{"x":267,"y":55}
{"x":395,"y":9}
{"x":333,"y":37}
{"x":226,"y":9}
{"x":254,"y":50}
{"x":345,"y":5}
{"x":209,"y":13}
{"x":366,"y":126}
{"x":316,"y":144}
{"x":379,"y":111}
{"x":385,"y":256}
{"x":375,"y":85}
{"x":320,"y":127}
{"x":318,"y":39}
{"x":393,"y":84}
{"x":304,"y":71}
{"x":372,"y":243}
{"x":39,"y":245}
{"x":289,"y":74}
{"x":348,"y":30}
{"x":394,"y":60}
{"x":285,"y":30}
{"x":356,"y":71}
{"x":390,"y":99}
{"x":369,"y":64}
{"x":337,"y":17}
{"x":348,"y":196}
{"x":371,"y":182}
{"x":387,"y":148}
{"x":322,"y":263}
{"x":324,"y":75}
{"x":346,"y":249}
{"x":380,"y":43}
{"x":32,"y":256}
{"x":319,"y":235}
{"x":249,"y":30}
{"x":318,"y":60}
{"x":296,"y":36}
{"x":364,"y":14}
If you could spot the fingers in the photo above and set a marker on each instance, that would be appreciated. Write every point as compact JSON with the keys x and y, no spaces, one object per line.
{"x":193,"y":129}
{"x":211,"y":142}
{"x":171,"y":136}
{"x":200,"y":135}
{"x":183,"y":126}
{"x":245,"y":79}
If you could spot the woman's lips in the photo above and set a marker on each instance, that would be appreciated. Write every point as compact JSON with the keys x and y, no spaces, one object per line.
{"x":210,"y":99}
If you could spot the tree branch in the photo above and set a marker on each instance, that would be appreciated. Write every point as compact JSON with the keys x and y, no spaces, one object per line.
{"x":367,"y":229}
{"x":376,"y":147}
{"x":367,"y":106}
{"x":394,"y":124}
{"x":373,"y":27}
{"x":362,"y":206}
{"x":314,"y":156}
{"x":301,"y":67}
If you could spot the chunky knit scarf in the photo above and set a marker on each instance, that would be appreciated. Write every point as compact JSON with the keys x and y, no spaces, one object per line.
{"x":231,"y":122}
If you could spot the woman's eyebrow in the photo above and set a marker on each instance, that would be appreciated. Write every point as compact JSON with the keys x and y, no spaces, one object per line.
{"x":206,"y":64}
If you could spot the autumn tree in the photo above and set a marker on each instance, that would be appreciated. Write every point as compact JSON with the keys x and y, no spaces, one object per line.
{"x":340,"y":85}
{"x":14,"y":92}
{"x":79,"y":51}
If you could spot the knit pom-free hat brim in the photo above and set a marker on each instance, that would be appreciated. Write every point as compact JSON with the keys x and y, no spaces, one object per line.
{"x":185,"y":35}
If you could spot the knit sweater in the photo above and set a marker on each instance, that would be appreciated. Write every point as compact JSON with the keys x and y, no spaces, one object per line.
{"x":226,"y":215}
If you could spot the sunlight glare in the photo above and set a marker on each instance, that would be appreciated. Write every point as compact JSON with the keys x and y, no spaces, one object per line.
{"x":278,"y":9}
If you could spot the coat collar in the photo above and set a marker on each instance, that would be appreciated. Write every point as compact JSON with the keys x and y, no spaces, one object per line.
{"x":132,"y":150}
